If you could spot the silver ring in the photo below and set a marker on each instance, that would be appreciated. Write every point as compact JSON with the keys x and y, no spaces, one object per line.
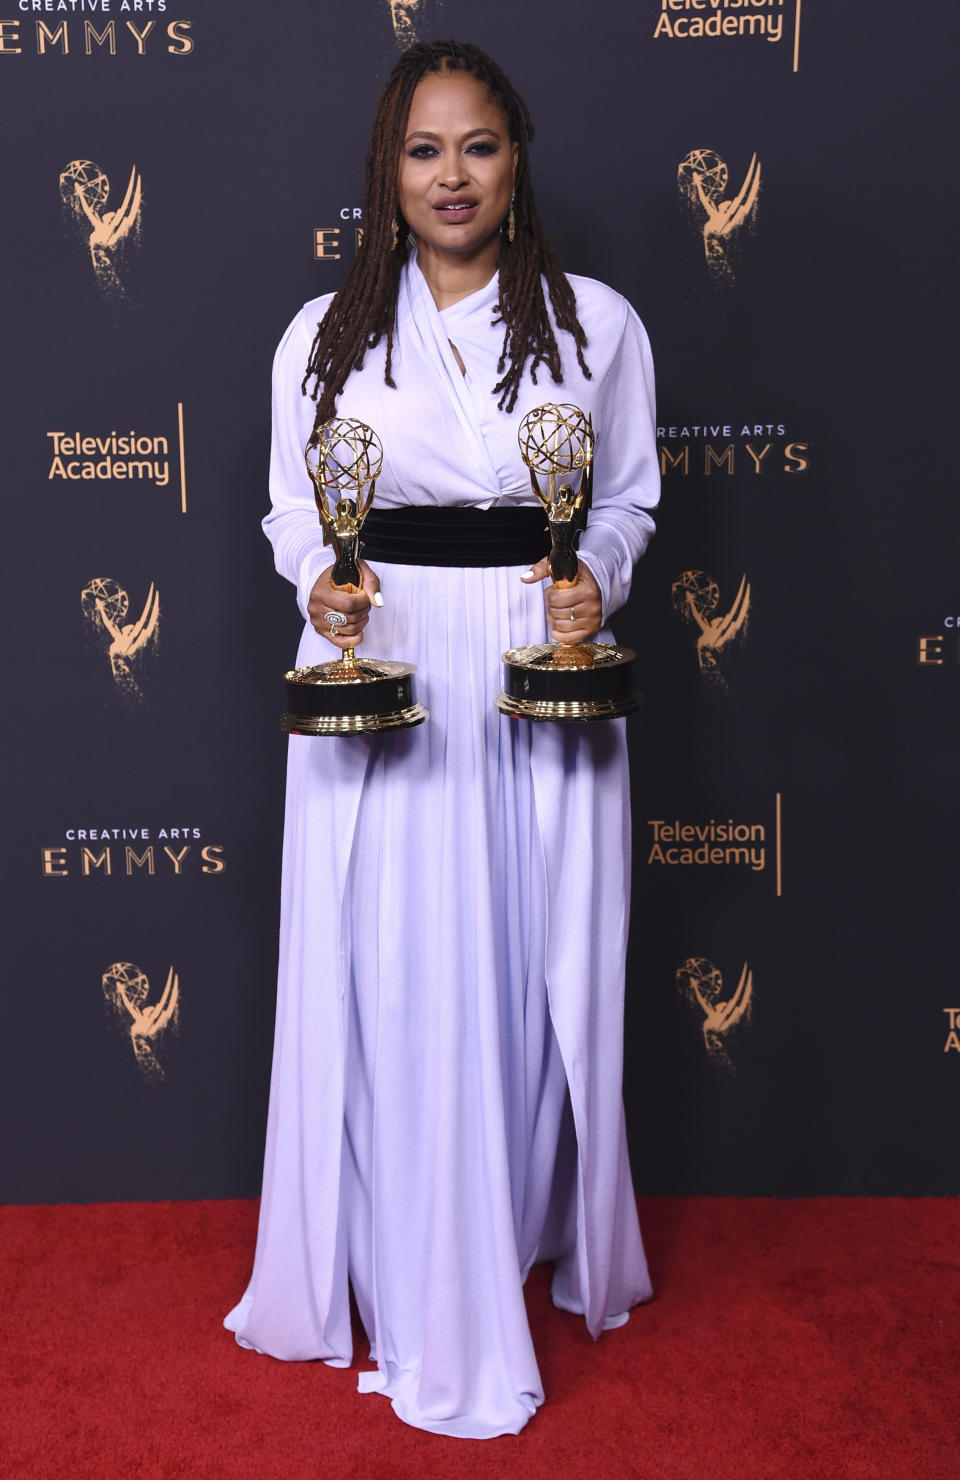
{"x":335,"y":619}
{"x":573,"y":614}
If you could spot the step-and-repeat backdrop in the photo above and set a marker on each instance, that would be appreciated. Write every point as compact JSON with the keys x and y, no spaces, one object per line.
{"x":768,"y":182}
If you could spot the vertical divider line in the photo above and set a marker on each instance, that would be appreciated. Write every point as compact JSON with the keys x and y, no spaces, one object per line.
{"x":183,"y":460}
{"x":796,"y":38}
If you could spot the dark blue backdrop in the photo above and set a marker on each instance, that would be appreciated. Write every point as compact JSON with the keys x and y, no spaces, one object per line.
{"x":789,"y":1025}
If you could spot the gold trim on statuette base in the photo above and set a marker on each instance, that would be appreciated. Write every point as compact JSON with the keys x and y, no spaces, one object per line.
{"x":352,"y":696}
{"x":554,"y":655}
{"x":360,"y":670}
{"x":554,"y":681}
{"x":581,"y":709}
{"x":353,"y":724}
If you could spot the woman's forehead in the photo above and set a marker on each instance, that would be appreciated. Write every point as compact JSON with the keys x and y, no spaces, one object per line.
{"x":450,"y":94}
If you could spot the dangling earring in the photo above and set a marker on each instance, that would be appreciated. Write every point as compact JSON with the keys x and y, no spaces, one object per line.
{"x":511,"y":223}
{"x":395,"y":228}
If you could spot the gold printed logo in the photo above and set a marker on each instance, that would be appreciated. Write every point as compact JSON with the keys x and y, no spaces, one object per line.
{"x":733,"y":20}
{"x":936,"y":651}
{"x":696,"y":597}
{"x":701,"y":983}
{"x":952,"y":1044}
{"x":126,"y":990}
{"x":719,"y":843}
{"x":85,"y":190}
{"x":703,"y":180}
{"x":111,"y":40}
{"x":105,"y":605}
{"x":403,"y":15}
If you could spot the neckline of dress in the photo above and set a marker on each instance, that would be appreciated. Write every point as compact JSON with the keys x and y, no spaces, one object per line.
{"x":479,"y":298}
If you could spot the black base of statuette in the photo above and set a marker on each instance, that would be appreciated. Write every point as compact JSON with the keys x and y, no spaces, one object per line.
{"x":551,"y":681}
{"x":358,"y":698}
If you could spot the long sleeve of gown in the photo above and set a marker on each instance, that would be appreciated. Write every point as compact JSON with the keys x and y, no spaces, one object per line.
{"x":626,"y":477}
{"x":293,"y":525}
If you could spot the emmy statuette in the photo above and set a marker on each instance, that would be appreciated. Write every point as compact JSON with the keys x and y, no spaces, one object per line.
{"x":554,"y":680}
{"x":350,"y":696}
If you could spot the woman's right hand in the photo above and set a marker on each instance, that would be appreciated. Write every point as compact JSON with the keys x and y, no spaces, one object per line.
{"x":352,"y":603}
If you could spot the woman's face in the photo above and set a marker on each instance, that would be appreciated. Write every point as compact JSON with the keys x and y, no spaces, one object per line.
{"x":457,"y":165}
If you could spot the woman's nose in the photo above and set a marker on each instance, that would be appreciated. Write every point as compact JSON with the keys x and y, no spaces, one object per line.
{"x":452,"y":172}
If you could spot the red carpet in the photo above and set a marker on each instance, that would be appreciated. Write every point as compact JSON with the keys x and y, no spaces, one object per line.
{"x":807,"y":1339}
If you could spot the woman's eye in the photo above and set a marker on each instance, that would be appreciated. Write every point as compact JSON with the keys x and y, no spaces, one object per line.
{"x":422,"y":151}
{"x":481,"y":148}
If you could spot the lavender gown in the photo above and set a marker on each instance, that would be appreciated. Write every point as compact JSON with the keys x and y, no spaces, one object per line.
{"x":454,"y":913}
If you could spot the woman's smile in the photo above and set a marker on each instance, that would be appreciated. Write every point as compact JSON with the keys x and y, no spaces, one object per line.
{"x":458,"y":209}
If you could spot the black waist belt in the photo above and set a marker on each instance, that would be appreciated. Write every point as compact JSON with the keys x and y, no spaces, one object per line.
{"x":424,"y":534}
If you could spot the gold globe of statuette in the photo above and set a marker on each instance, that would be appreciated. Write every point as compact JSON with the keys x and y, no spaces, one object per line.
{"x":344,"y":455}
{"x":564,"y":681}
{"x":351,"y":695}
{"x":556,"y":439}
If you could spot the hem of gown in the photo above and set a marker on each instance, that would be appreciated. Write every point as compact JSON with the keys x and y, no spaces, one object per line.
{"x":465,"y":1426}
{"x":613,"y":1320}
{"x":610,"y":1323}
{"x":340,"y":1362}
{"x":234,"y":1321}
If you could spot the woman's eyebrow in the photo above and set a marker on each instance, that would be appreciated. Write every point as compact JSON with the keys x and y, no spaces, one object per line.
{"x":423,"y":133}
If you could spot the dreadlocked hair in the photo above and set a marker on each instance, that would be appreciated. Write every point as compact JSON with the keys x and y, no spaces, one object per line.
{"x":364,"y":311}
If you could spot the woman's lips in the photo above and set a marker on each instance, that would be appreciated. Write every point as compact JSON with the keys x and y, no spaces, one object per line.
{"x":455,"y":210}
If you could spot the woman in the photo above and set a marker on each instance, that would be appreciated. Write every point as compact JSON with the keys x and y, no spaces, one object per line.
{"x":445,"y":1105}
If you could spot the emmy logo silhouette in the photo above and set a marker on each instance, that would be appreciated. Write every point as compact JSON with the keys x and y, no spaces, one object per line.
{"x":403,"y":14}
{"x":85,"y":190}
{"x":105,"y":605}
{"x":126,"y":989}
{"x":703,"y":178}
{"x":702,"y":984}
{"x":696,"y":597}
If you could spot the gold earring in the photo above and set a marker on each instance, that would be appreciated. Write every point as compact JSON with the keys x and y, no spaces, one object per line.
{"x":395,"y":228}
{"x":511,"y":223}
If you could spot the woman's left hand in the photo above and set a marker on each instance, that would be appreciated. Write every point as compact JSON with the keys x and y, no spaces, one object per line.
{"x":574,"y":613}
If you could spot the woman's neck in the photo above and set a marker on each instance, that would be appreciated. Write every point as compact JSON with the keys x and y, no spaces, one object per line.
{"x":451,"y":278}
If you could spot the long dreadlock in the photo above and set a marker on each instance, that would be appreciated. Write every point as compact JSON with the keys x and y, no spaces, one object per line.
{"x":364,"y":310}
